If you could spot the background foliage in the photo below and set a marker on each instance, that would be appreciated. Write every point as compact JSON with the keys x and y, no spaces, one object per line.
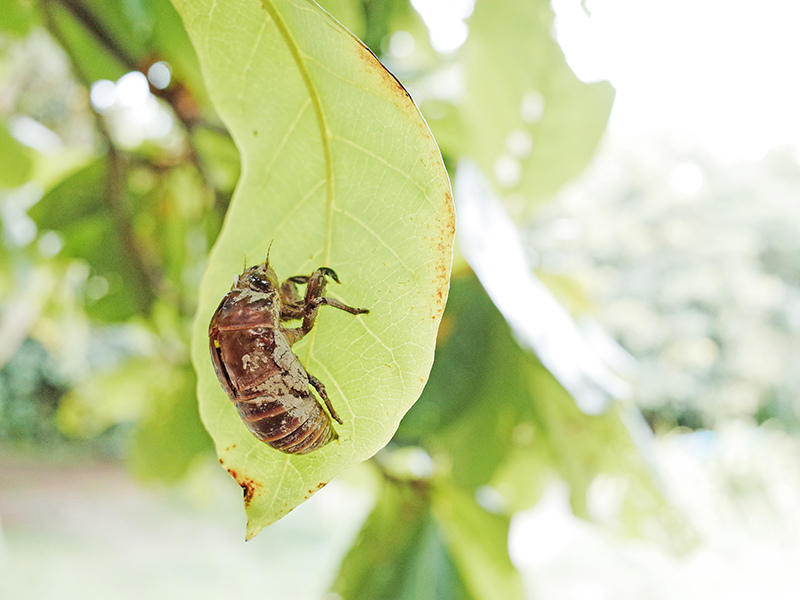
{"x":115,"y":187}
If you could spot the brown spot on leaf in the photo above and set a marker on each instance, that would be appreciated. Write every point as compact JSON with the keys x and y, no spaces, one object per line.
{"x":373,"y":64}
{"x":249,"y":486}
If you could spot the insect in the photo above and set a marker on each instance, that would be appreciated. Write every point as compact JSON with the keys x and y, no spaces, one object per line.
{"x":254,"y":362}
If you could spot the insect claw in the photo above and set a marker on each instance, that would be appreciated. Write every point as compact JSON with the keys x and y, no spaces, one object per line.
{"x":330,"y":273}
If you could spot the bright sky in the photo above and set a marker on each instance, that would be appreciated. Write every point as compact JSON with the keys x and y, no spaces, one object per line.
{"x":725,"y":73}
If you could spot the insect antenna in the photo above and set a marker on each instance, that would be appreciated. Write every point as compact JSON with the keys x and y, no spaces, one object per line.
{"x":266,"y":261}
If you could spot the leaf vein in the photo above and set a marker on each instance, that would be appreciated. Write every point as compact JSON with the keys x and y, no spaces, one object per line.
{"x":385,"y":163}
{"x":365,"y":226}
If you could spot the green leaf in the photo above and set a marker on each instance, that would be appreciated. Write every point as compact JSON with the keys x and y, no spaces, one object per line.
{"x":478,"y":541}
{"x":524,"y":111}
{"x":400,"y":553}
{"x":172,"y":41}
{"x":15,"y":161}
{"x":78,"y":208}
{"x":496,"y":417}
{"x":91,"y":59}
{"x":169,"y":435}
{"x":338,"y":170}
{"x":429,"y":540}
{"x":458,"y":375}
{"x":16,"y":17}
{"x":478,"y":392}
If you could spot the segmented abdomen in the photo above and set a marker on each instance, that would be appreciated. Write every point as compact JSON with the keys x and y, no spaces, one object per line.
{"x":288,"y":423}
{"x":270,"y":388}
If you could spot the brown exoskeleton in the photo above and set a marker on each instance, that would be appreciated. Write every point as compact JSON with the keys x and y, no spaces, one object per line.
{"x":252,"y":356}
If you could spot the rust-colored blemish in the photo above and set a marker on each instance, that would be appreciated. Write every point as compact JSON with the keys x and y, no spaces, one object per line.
{"x":322,"y":485}
{"x":374,"y":64}
{"x":249,"y":486}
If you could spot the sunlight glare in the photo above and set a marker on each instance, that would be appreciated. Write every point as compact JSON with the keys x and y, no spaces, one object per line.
{"x":445,"y":21}
{"x":725,"y":72}
{"x":159,"y":74}
{"x":103,"y":94}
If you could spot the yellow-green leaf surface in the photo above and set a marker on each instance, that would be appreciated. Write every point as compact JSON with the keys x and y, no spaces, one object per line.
{"x":339,"y":170}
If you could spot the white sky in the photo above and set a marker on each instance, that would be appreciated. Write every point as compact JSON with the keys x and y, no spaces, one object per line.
{"x":725,"y":73}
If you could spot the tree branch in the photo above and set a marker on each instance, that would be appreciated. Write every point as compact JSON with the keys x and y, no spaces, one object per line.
{"x":176,"y":95}
{"x":148,"y":280}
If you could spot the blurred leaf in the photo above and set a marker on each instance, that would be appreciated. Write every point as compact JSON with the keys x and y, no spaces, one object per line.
{"x":30,"y":389}
{"x":170,"y":434}
{"x":400,"y":552}
{"x":169,"y":36}
{"x":478,"y":391}
{"x":155,"y":395}
{"x":222,"y":156}
{"x":16,"y":17}
{"x":428,"y":540}
{"x":525,"y":114}
{"x":381,"y":18}
{"x":77,"y":197}
{"x":478,"y":541}
{"x":363,"y":191}
{"x":494,"y":416}
{"x":118,"y":396}
{"x":92,"y":59}
{"x":457,"y":377}
{"x":77,"y":208}
{"x":15,"y":160}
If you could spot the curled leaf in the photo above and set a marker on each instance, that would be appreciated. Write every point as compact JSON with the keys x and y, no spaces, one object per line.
{"x":338,"y":170}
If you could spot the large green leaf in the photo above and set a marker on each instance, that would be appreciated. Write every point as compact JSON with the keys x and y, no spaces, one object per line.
{"x":478,"y":540}
{"x":340,"y":170}
{"x":400,"y":553}
{"x":429,"y":540}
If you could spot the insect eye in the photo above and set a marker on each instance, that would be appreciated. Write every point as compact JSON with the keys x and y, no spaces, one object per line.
{"x":259,"y":283}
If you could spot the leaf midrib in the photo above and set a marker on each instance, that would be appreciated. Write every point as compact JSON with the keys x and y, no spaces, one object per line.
{"x":316,"y":103}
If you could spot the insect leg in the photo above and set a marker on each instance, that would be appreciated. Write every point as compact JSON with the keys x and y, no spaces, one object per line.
{"x":324,"y":300}
{"x":292,"y":303}
{"x":318,"y":385}
{"x":289,"y":291}
{"x":314,"y":298}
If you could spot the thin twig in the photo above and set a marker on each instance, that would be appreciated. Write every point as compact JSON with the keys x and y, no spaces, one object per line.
{"x":175,"y":96}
